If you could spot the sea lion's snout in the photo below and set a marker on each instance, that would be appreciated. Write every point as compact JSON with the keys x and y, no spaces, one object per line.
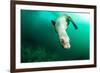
{"x":65,"y":44}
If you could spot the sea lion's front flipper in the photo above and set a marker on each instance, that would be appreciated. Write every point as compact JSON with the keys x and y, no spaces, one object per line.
{"x":53,"y":22}
{"x":75,"y":26}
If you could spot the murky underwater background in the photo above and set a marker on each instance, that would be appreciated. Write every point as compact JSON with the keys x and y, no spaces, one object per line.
{"x":40,"y":42}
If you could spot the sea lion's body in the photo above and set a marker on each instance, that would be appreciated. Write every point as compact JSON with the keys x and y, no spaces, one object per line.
{"x":61,"y":26}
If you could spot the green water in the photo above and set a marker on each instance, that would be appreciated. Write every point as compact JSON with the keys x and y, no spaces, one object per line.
{"x":40,"y":42}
